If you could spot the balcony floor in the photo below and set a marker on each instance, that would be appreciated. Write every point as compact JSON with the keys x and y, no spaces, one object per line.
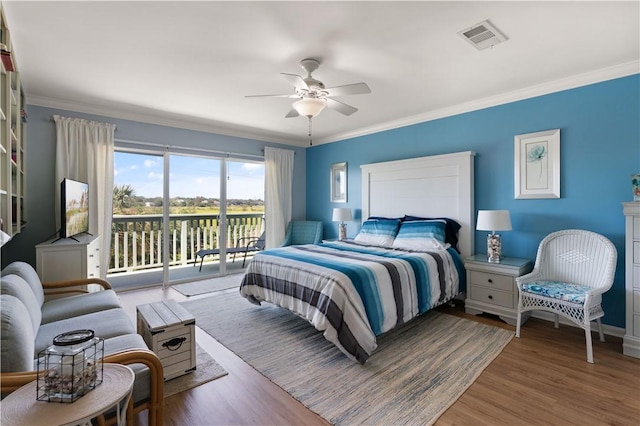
{"x":177,"y":274}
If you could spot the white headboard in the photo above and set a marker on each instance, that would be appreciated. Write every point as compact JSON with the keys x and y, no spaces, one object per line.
{"x":434,"y":186}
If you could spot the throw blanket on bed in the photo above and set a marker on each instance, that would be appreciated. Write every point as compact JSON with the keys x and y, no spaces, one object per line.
{"x":353,"y":292}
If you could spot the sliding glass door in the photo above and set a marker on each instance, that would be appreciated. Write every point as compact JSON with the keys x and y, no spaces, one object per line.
{"x":137,"y":224}
{"x":182,"y":217}
{"x":244,"y":210}
{"x":194,"y":217}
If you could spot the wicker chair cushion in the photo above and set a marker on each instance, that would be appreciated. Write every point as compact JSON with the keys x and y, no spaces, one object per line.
{"x":574,"y":293}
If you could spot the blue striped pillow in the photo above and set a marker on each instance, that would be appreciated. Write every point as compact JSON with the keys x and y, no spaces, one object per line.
{"x":422,"y":235}
{"x":379,"y":232}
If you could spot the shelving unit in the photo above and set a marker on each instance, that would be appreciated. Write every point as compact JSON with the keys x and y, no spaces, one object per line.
{"x":12,"y":138}
{"x":631,"y":341}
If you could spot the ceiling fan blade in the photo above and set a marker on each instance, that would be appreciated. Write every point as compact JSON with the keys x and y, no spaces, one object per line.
{"x":272,"y":96}
{"x":296,"y":80}
{"x":349,"y":89}
{"x":340,"y":107}
{"x":292,"y":113}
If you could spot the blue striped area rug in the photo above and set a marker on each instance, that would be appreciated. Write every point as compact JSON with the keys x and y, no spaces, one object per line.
{"x":417,"y":372}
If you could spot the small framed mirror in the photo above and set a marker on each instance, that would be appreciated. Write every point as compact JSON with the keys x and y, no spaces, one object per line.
{"x":339,"y":182}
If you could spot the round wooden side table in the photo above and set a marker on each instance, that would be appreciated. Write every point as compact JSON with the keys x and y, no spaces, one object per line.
{"x":21,"y":407}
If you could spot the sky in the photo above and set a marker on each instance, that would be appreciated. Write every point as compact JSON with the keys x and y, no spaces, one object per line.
{"x":189,"y":176}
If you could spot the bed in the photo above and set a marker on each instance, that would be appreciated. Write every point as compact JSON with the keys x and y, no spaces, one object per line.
{"x":405,"y":260}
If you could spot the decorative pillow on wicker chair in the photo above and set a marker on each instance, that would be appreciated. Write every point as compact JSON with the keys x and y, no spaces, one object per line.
{"x":421,"y":235}
{"x":567,"y":292}
{"x":379,"y":232}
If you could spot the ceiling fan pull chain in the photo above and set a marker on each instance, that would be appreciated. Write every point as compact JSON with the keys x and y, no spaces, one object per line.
{"x":310,"y":140}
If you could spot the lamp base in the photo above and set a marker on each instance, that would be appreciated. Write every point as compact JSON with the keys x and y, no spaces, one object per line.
{"x":342,"y":229}
{"x":494,"y":248}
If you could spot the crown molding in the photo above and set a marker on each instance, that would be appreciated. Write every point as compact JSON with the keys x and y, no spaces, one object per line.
{"x":180,"y":123}
{"x":584,"y":79}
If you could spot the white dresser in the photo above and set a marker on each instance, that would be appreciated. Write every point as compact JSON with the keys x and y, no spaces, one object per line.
{"x":67,"y":259}
{"x":631,"y":343}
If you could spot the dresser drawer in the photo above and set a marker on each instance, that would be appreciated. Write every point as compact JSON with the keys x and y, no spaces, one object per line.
{"x":492,"y":281}
{"x":492,"y":296}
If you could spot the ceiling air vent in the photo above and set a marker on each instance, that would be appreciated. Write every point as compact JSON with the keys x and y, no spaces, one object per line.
{"x":483,"y":35}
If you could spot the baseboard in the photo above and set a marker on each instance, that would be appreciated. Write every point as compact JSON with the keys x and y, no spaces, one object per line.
{"x":631,"y":346}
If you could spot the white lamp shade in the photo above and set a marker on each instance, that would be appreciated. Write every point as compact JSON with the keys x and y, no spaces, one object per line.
{"x":493,"y":220}
{"x":341,"y":214}
{"x":310,"y":107}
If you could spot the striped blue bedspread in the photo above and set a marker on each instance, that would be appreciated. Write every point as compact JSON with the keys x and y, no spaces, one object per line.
{"x":352,"y":292}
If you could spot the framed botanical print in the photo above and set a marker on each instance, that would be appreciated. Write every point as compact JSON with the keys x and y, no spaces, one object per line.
{"x":339,"y":182}
{"x":537,"y":165}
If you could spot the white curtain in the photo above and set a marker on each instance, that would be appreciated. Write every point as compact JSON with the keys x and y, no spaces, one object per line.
{"x":84,"y":152}
{"x":277,"y":199}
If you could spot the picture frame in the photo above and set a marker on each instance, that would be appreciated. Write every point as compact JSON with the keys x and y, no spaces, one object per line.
{"x":339,"y":182}
{"x":537,"y":165}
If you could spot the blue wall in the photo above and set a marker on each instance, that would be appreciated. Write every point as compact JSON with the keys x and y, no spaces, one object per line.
{"x":40,"y":169}
{"x":599,"y":150}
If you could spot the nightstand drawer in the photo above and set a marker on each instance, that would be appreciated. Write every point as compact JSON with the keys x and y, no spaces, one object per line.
{"x":492,"y":281}
{"x":495,"y":297}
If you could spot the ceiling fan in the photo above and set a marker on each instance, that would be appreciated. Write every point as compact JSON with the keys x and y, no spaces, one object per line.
{"x":313,"y":94}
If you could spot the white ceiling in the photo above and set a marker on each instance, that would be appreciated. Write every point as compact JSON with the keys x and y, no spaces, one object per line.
{"x":190,"y":64}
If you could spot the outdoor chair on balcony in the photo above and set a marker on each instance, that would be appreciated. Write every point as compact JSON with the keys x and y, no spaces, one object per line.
{"x":303,"y":232}
{"x":243,"y":245}
{"x":573,"y":269}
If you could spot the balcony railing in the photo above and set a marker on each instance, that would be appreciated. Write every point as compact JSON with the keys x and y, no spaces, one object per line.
{"x":136,"y":241}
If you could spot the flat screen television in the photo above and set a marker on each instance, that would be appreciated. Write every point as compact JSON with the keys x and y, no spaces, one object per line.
{"x":74,"y":203}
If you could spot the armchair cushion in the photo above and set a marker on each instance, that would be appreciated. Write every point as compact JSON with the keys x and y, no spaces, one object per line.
{"x":17,"y":287}
{"x":54,"y":309}
{"x":27,"y":273}
{"x":141,"y":386}
{"x":17,"y":343}
{"x":72,"y":306}
{"x":106,"y":324}
{"x":568,"y":292}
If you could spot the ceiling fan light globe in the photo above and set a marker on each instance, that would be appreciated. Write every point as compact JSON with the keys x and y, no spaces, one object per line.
{"x":310,"y":107}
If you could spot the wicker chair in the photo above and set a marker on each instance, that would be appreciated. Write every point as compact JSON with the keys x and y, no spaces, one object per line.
{"x":573,"y":269}
{"x":303,"y":232}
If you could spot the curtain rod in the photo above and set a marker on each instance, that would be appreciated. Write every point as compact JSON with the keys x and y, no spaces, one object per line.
{"x":165,"y":146}
{"x":210,"y":151}
{"x":115,"y":126}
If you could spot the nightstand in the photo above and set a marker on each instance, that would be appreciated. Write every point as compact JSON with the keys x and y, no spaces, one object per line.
{"x":491,"y":287}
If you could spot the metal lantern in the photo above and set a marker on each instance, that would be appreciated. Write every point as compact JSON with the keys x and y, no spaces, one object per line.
{"x":71,"y":367}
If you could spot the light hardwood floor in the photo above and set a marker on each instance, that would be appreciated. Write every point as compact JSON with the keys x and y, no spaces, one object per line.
{"x":541,"y":378}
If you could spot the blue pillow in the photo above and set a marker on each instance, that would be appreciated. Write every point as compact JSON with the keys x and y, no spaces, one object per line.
{"x":422,"y":235}
{"x":379,"y":232}
{"x":451,"y":230}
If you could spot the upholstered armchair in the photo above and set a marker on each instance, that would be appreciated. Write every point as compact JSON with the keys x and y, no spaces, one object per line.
{"x":303,"y":232}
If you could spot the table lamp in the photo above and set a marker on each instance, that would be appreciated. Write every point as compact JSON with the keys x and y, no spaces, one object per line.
{"x":493,"y":220}
{"x":342,"y":214}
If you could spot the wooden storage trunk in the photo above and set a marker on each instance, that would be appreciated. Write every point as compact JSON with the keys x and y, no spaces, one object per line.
{"x":169,"y":331}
